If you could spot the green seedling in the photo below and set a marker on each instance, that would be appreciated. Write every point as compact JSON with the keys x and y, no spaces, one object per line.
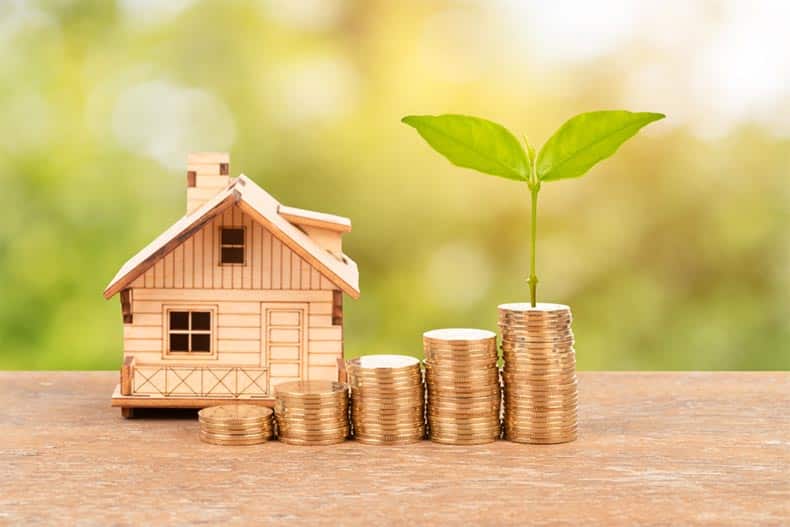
{"x":488,"y":147}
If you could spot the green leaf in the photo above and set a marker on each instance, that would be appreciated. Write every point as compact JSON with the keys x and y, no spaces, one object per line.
{"x":471,"y":142}
{"x":586,"y":139}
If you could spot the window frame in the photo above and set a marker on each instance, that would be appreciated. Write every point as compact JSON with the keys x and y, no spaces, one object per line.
{"x":212,"y":331}
{"x":244,"y":246}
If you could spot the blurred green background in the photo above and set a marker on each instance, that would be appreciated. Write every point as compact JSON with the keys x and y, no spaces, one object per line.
{"x":674,"y":254}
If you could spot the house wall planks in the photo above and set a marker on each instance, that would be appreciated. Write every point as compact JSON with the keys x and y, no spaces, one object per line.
{"x":269,"y":264}
{"x":239,"y":338}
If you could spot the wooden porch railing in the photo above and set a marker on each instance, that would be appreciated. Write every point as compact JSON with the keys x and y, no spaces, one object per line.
{"x":192,"y":380}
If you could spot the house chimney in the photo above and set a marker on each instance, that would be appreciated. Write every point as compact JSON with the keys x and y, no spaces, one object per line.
{"x":207,"y":174}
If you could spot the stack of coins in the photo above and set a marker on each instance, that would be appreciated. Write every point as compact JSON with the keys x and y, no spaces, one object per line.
{"x":311,"y":412}
{"x":387,"y":399}
{"x":463,"y":386}
{"x":539,"y":374}
{"x":238,"y":424}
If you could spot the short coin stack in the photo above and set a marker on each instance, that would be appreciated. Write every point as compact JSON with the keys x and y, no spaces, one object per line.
{"x":539,"y":375}
{"x":387,"y":399}
{"x":311,"y":412}
{"x":463,"y":386}
{"x":238,"y":424}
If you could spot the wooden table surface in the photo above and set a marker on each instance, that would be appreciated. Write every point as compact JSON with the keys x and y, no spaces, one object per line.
{"x":654,"y":448}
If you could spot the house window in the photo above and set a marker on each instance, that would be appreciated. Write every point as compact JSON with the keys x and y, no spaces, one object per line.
{"x":189,"y":332}
{"x":231,"y":245}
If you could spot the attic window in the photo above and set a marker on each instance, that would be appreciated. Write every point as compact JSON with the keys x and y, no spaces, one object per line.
{"x":231,"y":245}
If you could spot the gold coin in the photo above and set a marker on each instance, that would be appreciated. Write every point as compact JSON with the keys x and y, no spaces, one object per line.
{"x":235,"y":413}
{"x":310,"y":389}
{"x":384,"y":364}
{"x":373,"y":440}
{"x":388,"y":391}
{"x":312,"y":442}
{"x":322,"y":424}
{"x":367,"y":428}
{"x":388,"y":402}
{"x":459,"y":335}
{"x":540,"y":308}
{"x":460,"y":351}
{"x":314,"y":437}
{"x":561,"y":438}
{"x":387,"y":412}
{"x":538,"y":409}
{"x":460,"y":355}
{"x":236,"y":429}
{"x":522,"y":392}
{"x":534,"y":344}
{"x":487,"y":376}
{"x":417,"y":431}
{"x":455,"y":416}
{"x":462,"y":391}
{"x":224,"y":435}
{"x":393,"y":432}
{"x":463,"y":441}
{"x":441,"y":405}
{"x":461,"y":434}
{"x":556,"y":416}
{"x":464,"y":429}
{"x":524,"y":367}
{"x":536,"y":347}
{"x":547,"y":417}
{"x":448,"y":401}
{"x":447,"y":407}
{"x":527,"y":359}
{"x":234,"y":426}
{"x":403,"y":427}
{"x":508,"y":321}
{"x":313,"y":403}
{"x":531,"y":391}
{"x":527,"y":400}
{"x":514,"y":327}
{"x":534,"y":379}
{"x":459,"y":358}
{"x":385,"y":389}
{"x":518,"y":368}
{"x":395,"y":404}
{"x":487,"y":436}
{"x":540,"y":430}
{"x":466,"y":423}
{"x":382,"y":374}
{"x":310,"y":406}
{"x":235,"y":442}
{"x":314,"y":433}
{"x":557,"y":316}
{"x":386,"y":416}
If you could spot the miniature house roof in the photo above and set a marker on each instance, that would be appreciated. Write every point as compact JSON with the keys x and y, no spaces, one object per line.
{"x":282,"y":221}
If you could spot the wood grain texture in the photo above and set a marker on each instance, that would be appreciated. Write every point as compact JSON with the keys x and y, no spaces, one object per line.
{"x":654,"y":448}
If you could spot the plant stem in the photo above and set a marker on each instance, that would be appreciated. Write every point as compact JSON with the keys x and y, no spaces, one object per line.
{"x":533,"y":279}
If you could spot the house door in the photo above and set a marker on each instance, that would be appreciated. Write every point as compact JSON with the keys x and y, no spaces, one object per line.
{"x":283,"y":343}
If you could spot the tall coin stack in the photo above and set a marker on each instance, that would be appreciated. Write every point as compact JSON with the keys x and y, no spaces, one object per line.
{"x":241,"y":424}
{"x":463,"y":386}
{"x":387,"y":399}
{"x":539,"y":375}
{"x":311,"y":412}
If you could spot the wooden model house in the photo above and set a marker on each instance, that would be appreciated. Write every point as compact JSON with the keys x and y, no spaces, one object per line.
{"x":240,"y":294}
